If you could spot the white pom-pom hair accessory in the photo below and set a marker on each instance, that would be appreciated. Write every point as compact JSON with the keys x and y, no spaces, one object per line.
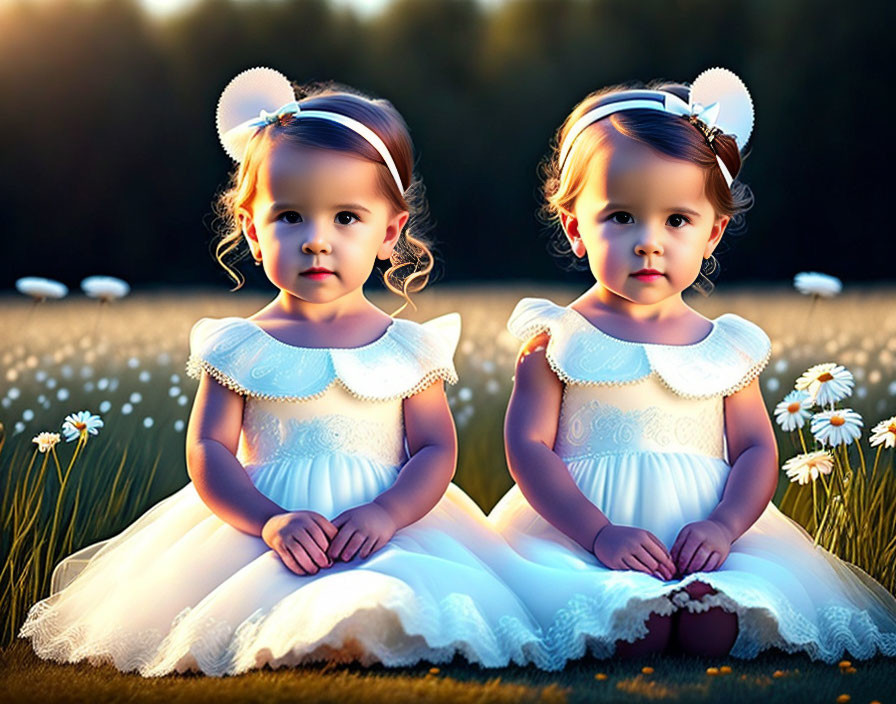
{"x":244,"y":107}
{"x":718,"y":102}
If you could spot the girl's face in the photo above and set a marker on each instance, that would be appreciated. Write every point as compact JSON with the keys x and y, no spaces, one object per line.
{"x":318,"y":220}
{"x":640,"y":209}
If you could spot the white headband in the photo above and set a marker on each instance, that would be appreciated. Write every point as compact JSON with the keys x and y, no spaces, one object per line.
{"x":728,"y":108}
{"x":257,"y":87}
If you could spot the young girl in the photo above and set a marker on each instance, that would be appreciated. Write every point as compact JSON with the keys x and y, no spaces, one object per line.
{"x":644,"y":459}
{"x":320,"y":522}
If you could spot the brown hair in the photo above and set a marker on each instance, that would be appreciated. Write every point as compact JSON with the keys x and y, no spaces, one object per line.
{"x":412,"y":259}
{"x":668,"y":134}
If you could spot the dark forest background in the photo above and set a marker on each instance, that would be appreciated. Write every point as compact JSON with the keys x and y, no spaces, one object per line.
{"x":109,"y":160}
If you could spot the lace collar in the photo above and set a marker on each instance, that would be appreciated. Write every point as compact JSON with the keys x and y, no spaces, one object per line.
{"x":407,"y":358}
{"x":733,"y":353}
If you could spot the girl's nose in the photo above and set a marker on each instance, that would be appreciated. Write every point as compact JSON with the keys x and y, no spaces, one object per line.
{"x":316,"y":244}
{"x":648,"y":243}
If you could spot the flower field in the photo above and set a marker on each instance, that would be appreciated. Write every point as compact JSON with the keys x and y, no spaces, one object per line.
{"x":123,"y":361}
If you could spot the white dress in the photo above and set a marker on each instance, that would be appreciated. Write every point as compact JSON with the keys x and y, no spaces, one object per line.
{"x":180,"y":589}
{"x":641,"y":429}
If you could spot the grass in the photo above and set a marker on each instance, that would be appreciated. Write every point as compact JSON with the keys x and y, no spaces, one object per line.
{"x":771,"y":677}
{"x":127,"y":358}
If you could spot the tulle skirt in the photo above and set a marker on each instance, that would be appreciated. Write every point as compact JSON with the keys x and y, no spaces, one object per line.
{"x":181,"y":590}
{"x":787,"y":592}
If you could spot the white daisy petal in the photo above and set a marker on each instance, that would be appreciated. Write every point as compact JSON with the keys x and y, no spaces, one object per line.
{"x":837,"y":427}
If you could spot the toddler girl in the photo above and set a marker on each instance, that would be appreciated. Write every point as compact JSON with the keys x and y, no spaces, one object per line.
{"x":644,"y":458}
{"x":320,"y":522}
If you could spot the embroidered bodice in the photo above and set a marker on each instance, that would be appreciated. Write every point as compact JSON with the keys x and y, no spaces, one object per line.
{"x":623,"y":396}
{"x":302,"y":402}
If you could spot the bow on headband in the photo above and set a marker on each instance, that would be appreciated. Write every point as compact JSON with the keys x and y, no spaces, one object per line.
{"x":242,"y":110}
{"x":718,"y":102}
{"x":266,"y":118}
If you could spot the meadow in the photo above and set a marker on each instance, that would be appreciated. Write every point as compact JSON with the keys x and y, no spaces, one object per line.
{"x":124,"y":361}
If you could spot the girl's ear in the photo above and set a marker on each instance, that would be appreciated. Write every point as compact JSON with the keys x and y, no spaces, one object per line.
{"x":571,"y":230}
{"x":393,"y":232}
{"x":715,"y":235}
{"x":247,"y":225}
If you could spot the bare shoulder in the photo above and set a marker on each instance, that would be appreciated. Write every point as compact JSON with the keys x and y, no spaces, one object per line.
{"x":533,"y":371}
{"x":535,"y":344}
{"x":217,"y":414}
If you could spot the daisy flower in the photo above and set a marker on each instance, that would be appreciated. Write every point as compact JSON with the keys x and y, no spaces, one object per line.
{"x":45,"y":441}
{"x":884,"y":433}
{"x":837,"y":427}
{"x":793,"y":411}
{"x":40,"y":288}
{"x":826,"y":383}
{"x":105,"y":288}
{"x":807,"y":467}
{"x":80,"y":424}
{"x":812,"y":283}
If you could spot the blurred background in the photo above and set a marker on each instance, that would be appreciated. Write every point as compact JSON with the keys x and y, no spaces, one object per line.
{"x":109,"y":161}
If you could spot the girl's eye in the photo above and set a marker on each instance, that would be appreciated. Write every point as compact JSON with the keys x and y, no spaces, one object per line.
{"x":290,"y":216}
{"x":622,"y":218}
{"x":346,"y":218}
{"x":677,"y":220}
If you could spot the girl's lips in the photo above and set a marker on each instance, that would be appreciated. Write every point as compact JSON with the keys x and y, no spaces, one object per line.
{"x":317,"y":275}
{"x":648,"y":277}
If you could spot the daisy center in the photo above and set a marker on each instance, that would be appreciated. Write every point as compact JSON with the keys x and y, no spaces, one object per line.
{"x":794,"y":407}
{"x":79,"y":425}
{"x":827,"y":376}
{"x":837,"y":420}
{"x":891,"y":428}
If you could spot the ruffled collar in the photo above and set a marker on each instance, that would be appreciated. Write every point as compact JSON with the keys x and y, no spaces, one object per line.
{"x":404,"y":360}
{"x":731,"y":355}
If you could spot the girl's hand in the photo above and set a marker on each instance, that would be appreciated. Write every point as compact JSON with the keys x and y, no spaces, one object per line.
{"x":362,"y":530}
{"x":629,"y":548}
{"x":701,"y":546}
{"x":301,"y":539}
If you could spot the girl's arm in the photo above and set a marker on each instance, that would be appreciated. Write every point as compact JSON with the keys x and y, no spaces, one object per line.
{"x":530,"y":429}
{"x":752,"y":479}
{"x":220,"y":480}
{"x":753,"y":452}
{"x":432,"y":442}
{"x":422,"y":481}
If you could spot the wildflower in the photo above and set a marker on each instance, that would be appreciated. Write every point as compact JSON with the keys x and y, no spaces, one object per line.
{"x":884,"y":433}
{"x":106,"y":288}
{"x":826,"y":383}
{"x":40,"y":288}
{"x":793,"y":411}
{"x":837,"y":427}
{"x":45,"y":441}
{"x":80,"y":424}
{"x":808,"y":466}
{"x":812,"y":283}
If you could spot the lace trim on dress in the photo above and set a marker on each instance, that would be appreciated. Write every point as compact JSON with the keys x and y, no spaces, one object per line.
{"x":733,"y":354}
{"x":405,"y":360}
{"x":397,"y":632}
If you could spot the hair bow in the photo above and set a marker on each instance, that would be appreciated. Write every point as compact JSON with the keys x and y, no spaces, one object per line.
{"x":267,"y":118}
